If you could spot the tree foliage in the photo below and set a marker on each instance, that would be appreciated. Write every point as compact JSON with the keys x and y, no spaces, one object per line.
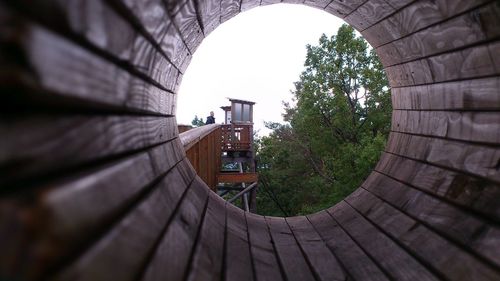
{"x":334,"y":131}
{"x":197,"y":122}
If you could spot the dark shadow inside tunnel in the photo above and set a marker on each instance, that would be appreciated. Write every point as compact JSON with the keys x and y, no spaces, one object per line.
{"x":107,"y":190}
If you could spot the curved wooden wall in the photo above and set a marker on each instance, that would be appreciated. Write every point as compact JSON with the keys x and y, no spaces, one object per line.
{"x":95,"y":184}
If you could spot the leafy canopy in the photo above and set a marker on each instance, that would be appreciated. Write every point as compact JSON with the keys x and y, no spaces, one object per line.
{"x":334,"y":131}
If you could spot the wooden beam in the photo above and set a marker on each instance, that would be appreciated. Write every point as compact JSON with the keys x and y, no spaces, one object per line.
{"x":237,"y":177}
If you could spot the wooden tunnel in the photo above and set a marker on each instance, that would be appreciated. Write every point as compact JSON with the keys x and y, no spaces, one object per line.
{"x":95,"y":184}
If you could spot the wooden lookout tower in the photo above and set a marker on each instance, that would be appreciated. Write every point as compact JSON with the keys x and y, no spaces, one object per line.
{"x":223,"y":155}
{"x":237,"y":154}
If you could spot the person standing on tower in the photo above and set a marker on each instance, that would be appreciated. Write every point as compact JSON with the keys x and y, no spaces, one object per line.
{"x":210,"y":119}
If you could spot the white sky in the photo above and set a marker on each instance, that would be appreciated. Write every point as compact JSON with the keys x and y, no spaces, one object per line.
{"x":254,"y":56}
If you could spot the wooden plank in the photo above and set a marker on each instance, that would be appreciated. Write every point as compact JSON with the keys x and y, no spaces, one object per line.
{"x":471,"y":126}
{"x":238,"y":259}
{"x":468,"y":63}
{"x":398,"y":263}
{"x":445,"y":258}
{"x":128,"y":244}
{"x":175,"y":48}
{"x":269,"y":2}
{"x":264,"y":257}
{"x":249,"y":4}
{"x":186,"y":20}
{"x":61,"y":72}
{"x":112,"y":35}
{"x":477,"y":160}
{"x":292,"y":259}
{"x":319,"y":4}
{"x":209,"y":13}
{"x":342,"y":8}
{"x":59,"y":213}
{"x":40,"y":144}
{"x":194,"y":135}
{"x":207,"y":259}
{"x":151,"y":14}
{"x":470,"y":232}
{"x":469,"y":192}
{"x":156,"y":16}
{"x":237,"y":177}
{"x":398,"y":4}
{"x":477,"y":94}
{"x":322,"y":261}
{"x":368,"y":14}
{"x":229,"y":9}
{"x":356,"y":262}
{"x":292,"y":1}
{"x":204,"y":166}
{"x":417,"y":16}
{"x":180,"y":236}
{"x":473,"y":27}
{"x":494,"y":50}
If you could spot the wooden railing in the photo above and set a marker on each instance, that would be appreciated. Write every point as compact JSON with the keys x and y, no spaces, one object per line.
{"x":236,"y":137}
{"x":203,"y":149}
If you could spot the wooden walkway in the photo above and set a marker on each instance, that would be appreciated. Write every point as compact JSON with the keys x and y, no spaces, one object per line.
{"x":95,"y":184}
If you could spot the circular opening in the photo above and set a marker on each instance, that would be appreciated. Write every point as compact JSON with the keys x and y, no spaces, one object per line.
{"x":322,"y":112}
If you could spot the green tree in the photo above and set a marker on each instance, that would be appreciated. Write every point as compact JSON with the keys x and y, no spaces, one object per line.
{"x":333,"y":133}
{"x":197,"y":122}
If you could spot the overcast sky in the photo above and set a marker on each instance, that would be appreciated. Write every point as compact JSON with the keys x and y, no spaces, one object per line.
{"x":254,"y":56}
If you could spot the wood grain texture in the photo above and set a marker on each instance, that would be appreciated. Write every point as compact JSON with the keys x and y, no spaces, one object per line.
{"x":179,"y":237}
{"x":368,"y":14}
{"x":342,"y":8}
{"x":229,"y":9}
{"x":238,"y":259}
{"x":320,"y":4}
{"x":207,"y":258}
{"x":60,"y":70}
{"x":288,"y":251}
{"x":97,"y":26}
{"x":470,"y":232}
{"x":473,"y":26}
{"x":446,"y":259}
{"x":469,"y":192}
{"x":269,"y":2}
{"x":56,"y":211}
{"x":477,"y":160}
{"x":323,"y":263}
{"x":32,"y":146}
{"x":128,"y":244}
{"x":210,"y":14}
{"x":417,"y":16}
{"x":398,"y":263}
{"x":476,"y":94}
{"x":95,"y":183}
{"x":264,"y":258}
{"x":354,"y":260}
{"x":186,"y":20}
{"x":468,"y":63}
{"x":472,"y":126}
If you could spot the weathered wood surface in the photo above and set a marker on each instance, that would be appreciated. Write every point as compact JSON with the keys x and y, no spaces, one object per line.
{"x":237,"y":177}
{"x":266,"y":264}
{"x":55,"y":75}
{"x":291,"y":257}
{"x":353,"y":258}
{"x":238,"y":264}
{"x":95,"y":183}
{"x":86,"y":139}
{"x":207,"y":259}
{"x":477,"y":95}
{"x":203,"y":149}
{"x":470,"y":193}
{"x":323,"y":263}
